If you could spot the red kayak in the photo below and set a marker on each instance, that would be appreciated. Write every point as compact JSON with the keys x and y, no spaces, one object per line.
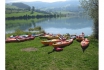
{"x":9,"y":40}
{"x":19,"y":38}
{"x":50,"y":42}
{"x":79,"y":39}
{"x":26,"y":37}
{"x":63,"y":43}
{"x":85,"y":44}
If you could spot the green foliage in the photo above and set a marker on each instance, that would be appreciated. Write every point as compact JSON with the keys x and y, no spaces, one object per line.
{"x":91,"y":8}
{"x":10,"y":6}
{"x":33,"y":9}
{"x":42,"y":31}
{"x":20,"y":5}
{"x":19,"y":32}
{"x":38,"y":28}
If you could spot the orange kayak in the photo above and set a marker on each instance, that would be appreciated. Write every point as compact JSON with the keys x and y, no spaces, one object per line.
{"x":62,"y":43}
{"x":79,"y":39}
{"x":50,"y":42}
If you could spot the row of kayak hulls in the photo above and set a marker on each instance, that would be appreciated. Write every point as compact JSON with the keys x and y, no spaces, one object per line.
{"x":19,"y":39}
{"x":51,"y":36}
{"x":59,"y":43}
{"x":14,"y":40}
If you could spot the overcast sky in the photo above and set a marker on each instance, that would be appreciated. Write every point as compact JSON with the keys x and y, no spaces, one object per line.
{"x":7,"y":1}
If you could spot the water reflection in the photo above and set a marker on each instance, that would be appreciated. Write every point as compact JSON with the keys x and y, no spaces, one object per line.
{"x":12,"y":25}
{"x":72,"y":23}
{"x":75,"y":25}
{"x":87,"y":31}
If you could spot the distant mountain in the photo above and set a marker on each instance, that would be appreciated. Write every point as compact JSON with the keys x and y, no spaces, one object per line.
{"x":56,"y":6}
{"x":10,"y":6}
{"x":71,"y":5}
{"x":20,"y":5}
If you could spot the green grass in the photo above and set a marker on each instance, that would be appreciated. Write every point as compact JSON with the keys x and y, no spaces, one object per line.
{"x":24,"y":13}
{"x":10,"y":6}
{"x":71,"y":58}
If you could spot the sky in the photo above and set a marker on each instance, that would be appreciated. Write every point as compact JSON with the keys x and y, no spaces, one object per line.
{"x":50,"y":1}
{"x":7,"y":1}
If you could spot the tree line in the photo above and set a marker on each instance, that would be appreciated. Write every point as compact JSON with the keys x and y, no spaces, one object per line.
{"x":29,"y":17}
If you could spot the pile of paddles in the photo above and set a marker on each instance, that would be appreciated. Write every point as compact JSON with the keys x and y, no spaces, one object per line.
{"x":60,"y":41}
{"x":57,"y":41}
{"x":19,"y":38}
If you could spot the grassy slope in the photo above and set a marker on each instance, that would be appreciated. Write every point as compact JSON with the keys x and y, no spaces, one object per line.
{"x":23,"y":13}
{"x":10,"y":6}
{"x":71,"y":58}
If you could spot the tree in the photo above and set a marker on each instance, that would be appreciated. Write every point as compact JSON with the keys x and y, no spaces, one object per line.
{"x":91,"y":8}
{"x":33,"y":9}
{"x":29,"y":8}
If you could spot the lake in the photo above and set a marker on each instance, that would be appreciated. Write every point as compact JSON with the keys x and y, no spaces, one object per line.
{"x":63,"y":25}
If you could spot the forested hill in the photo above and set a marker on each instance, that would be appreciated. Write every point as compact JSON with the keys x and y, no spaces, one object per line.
{"x":20,"y":5}
{"x":69,"y":5}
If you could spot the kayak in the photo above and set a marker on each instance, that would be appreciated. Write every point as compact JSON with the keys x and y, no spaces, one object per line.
{"x":79,"y":39}
{"x":52,"y":37}
{"x":50,"y":42}
{"x":62,"y":43}
{"x":9,"y":40}
{"x":84,"y":44}
{"x":20,"y":38}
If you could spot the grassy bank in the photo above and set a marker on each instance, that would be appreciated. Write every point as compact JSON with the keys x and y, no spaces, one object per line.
{"x":23,"y":13}
{"x":71,"y":58}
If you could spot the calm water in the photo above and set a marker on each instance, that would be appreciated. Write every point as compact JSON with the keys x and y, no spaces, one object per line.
{"x":75,"y":25}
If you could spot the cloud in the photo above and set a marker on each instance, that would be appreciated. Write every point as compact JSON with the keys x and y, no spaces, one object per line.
{"x":7,"y":1}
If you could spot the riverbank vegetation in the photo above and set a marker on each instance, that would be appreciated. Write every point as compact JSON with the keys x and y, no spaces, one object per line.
{"x":35,"y":28}
{"x":92,"y":11}
{"x":27,"y":15}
